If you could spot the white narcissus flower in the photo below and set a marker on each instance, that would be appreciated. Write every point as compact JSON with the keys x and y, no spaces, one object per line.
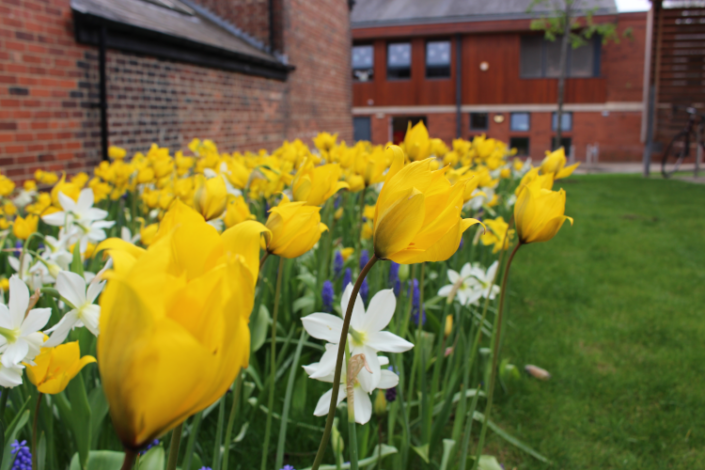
{"x":11,"y":376}
{"x":72,"y":289}
{"x":473,"y":283}
{"x":34,"y":275}
{"x":485,"y":280}
{"x":126,"y":235}
{"x":83,"y":222}
{"x":20,"y":338}
{"x":361,"y":389}
{"x":365,"y":335}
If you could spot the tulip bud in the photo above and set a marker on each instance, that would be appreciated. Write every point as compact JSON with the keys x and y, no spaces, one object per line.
{"x":380,"y":403}
{"x":211,"y":197}
{"x":403,"y":272}
{"x":449,"y":326}
{"x":296,"y":228}
{"x":539,"y":212}
{"x":55,"y":367}
{"x":338,"y":213}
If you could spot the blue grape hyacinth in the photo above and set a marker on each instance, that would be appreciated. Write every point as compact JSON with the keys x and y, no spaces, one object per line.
{"x":418,"y":316}
{"x":347,"y":278}
{"x":394,"y":282}
{"x":364,"y":290}
{"x":364,"y":258}
{"x":23,"y":457}
{"x":327,"y":294}
{"x":149,"y":446}
{"x":338,"y":264}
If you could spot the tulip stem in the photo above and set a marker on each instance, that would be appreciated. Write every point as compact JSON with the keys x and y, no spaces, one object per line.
{"x":496,"y":332}
{"x":129,"y":459}
{"x":35,"y":421}
{"x":231,"y":419}
{"x":273,"y":365}
{"x":174,"y":447}
{"x":339,"y":363}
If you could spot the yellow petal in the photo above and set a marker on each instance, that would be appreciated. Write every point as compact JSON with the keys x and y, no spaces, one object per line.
{"x":399,"y":224}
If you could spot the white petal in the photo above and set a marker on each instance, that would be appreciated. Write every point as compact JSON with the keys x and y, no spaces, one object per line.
{"x":358,"y":307}
{"x":67,"y":204}
{"x":388,"y":342}
{"x":85,"y":201}
{"x":373,"y":362}
{"x":19,"y":301}
{"x":94,"y":214}
{"x":35,"y":341}
{"x":380,"y":311}
{"x":445,"y":290}
{"x":10,"y":376}
{"x":453,"y":276}
{"x":323,"y":404}
{"x":323,"y":326}
{"x":388,"y":380}
{"x":57,"y":219}
{"x":35,"y":321}
{"x":5,"y":318}
{"x":72,"y":287}
{"x":383,"y":360}
{"x":15,"y":353}
{"x":310,"y":368}
{"x":14,"y":262}
{"x":491,"y":272}
{"x":94,"y":289}
{"x":363,"y":406}
{"x":326,"y":366}
{"x":61,"y":330}
{"x":465,"y":270}
{"x":90,"y":316}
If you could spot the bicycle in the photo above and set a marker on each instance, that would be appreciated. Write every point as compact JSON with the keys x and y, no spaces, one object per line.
{"x":679,"y":148}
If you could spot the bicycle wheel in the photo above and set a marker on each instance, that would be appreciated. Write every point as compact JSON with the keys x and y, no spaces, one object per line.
{"x":675,"y":153}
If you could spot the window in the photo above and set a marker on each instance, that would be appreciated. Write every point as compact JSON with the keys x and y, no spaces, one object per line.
{"x":479,"y":121}
{"x":542,"y":58}
{"x":520,"y":122}
{"x":438,"y":59}
{"x":521,"y":144}
{"x":361,"y":128}
{"x":363,"y":63}
{"x":401,"y":124}
{"x":399,"y":61}
{"x":566,"y":143}
{"x":566,"y":121}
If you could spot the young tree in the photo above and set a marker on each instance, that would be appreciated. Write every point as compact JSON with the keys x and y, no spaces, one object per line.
{"x":571,"y":22}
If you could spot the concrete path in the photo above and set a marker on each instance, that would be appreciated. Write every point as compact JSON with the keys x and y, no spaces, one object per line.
{"x":634,"y":167}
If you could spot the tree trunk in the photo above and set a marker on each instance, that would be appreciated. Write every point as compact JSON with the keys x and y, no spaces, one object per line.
{"x":563,"y":72}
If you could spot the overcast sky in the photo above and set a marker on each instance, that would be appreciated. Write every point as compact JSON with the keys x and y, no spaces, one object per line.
{"x":633,"y":5}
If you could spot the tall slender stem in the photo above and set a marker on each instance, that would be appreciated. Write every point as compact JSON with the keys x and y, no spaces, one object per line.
{"x":272,"y":366}
{"x":231,"y":419}
{"x":3,"y":403}
{"x":129,"y":459}
{"x":339,"y":363}
{"x":174,"y":447}
{"x":496,"y":333}
{"x":35,"y":421}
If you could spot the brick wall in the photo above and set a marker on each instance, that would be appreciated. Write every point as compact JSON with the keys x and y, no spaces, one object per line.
{"x":49,"y":90}
{"x":251,"y":16}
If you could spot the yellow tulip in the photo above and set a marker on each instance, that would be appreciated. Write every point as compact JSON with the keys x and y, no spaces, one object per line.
{"x":9,"y":208}
{"x":174,"y":322}
{"x":355,"y":182}
{"x":539,"y":213}
{"x":116,"y":153}
{"x":346,"y":253}
{"x":296,"y":228}
{"x":554,"y":164}
{"x":4,"y":224}
{"x":325,"y":141}
{"x":23,"y":228}
{"x":368,"y":230}
{"x":210,"y":198}
{"x":416,"y":142}
{"x":531,"y":175}
{"x":338,"y":213}
{"x":5,"y":284}
{"x":496,"y":234}
{"x":237,"y":212}
{"x":6,"y":186}
{"x":417,"y":217}
{"x":45,"y":177}
{"x":148,"y":233}
{"x":68,"y":189}
{"x":55,"y":367}
{"x":505,"y":173}
{"x":314,"y":185}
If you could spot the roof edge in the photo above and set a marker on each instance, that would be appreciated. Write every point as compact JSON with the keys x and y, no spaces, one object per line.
{"x":136,"y":39}
{"x":462,"y":19}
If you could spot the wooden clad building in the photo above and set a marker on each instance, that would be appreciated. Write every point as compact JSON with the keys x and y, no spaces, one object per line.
{"x":470,"y":67}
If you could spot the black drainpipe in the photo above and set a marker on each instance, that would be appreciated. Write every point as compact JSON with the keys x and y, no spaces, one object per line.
{"x":103,"y":92}
{"x":458,"y":86}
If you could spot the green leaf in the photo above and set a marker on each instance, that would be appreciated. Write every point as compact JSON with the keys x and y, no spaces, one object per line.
{"x":298,"y":403}
{"x":100,"y":460}
{"x":81,"y":418}
{"x":153,"y":459}
{"x":448,"y":445}
{"x":489,"y":462}
{"x":42,"y":452}
{"x":76,"y":263}
{"x":99,"y":410}
{"x":17,"y":424}
{"x":304,"y":302}
{"x":258,"y":327}
{"x":422,"y":451}
{"x":477,"y":416}
{"x":15,"y":420}
{"x":243,"y":432}
{"x":375,"y":455}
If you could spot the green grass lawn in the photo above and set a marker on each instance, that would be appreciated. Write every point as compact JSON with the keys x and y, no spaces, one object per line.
{"x":614,"y":308}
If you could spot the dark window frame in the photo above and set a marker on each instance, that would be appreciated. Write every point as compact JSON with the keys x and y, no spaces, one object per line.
{"x":528,"y":114}
{"x":447,"y":67}
{"x":397,"y":68}
{"x":487,"y":122}
{"x":595,"y":42}
{"x":357,"y":119}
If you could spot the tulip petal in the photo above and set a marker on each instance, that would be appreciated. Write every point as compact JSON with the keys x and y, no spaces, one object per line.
{"x":244,"y":239}
{"x":399,"y":224}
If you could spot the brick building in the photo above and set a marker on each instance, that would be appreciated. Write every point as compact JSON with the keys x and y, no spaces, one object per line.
{"x":475,"y":67}
{"x":245,"y":73}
